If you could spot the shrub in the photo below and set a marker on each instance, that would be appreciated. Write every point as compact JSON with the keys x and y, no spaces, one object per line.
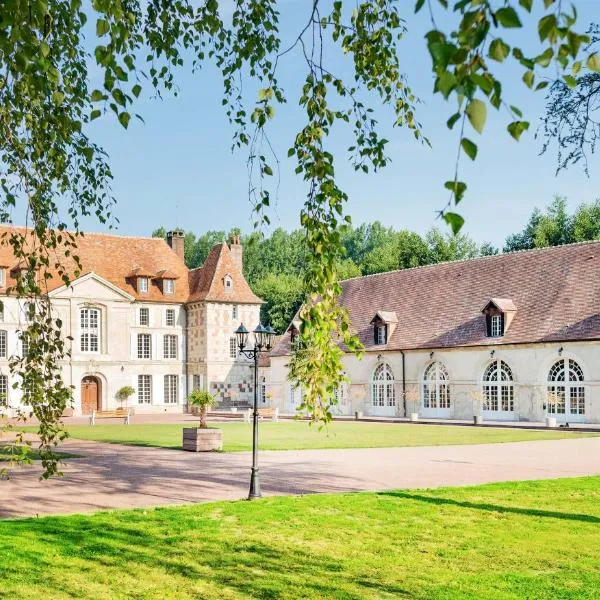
{"x":203,"y":400}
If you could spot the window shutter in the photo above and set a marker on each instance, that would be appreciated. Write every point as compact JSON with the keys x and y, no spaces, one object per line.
{"x":375,"y":340}
{"x":488,"y":324}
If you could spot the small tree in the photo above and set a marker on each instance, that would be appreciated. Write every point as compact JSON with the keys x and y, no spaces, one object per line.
{"x":124,"y":393}
{"x":203,"y":400}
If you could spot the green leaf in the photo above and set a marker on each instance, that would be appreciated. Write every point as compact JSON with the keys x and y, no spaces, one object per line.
{"x":526,"y":4}
{"x":102,"y":27}
{"x":95,"y":114}
{"x":419,"y":5}
{"x":119,"y":96}
{"x":458,"y":188}
{"x":528,"y":78}
{"x":58,"y":97}
{"x":97,"y":96}
{"x":570,"y":81}
{"x":267,"y":170}
{"x":477,"y":113}
{"x":593,"y":62}
{"x":136,"y":90}
{"x":546,"y":25}
{"x":124,"y":118}
{"x":508,"y":17}
{"x":545,"y":57}
{"x":452,"y":120}
{"x":44,"y":49}
{"x":469,"y":147}
{"x":517,"y":128}
{"x":499,"y":50}
{"x":455,"y":221}
{"x":442,"y":53}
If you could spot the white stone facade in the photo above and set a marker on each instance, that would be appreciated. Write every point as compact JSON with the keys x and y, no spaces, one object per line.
{"x":529,"y":365}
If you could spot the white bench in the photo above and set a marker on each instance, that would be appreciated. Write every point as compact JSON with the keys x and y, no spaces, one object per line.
{"x":119,"y":413}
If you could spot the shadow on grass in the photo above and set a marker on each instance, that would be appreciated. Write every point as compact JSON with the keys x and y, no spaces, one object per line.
{"x":195,"y":550}
{"x":531,"y":512}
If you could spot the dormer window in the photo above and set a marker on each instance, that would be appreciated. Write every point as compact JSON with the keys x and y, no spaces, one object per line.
{"x":499,"y":314}
{"x":168,"y":286}
{"x":380,"y":335}
{"x":496,"y":326}
{"x":143,"y":285}
{"x":2,"y":277}
{"x":228,"y":283}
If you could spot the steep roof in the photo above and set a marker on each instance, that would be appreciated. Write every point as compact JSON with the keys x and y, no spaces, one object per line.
{"x":121,"y":259}
{"x":555,"y":291}
{"x":207,"y":282}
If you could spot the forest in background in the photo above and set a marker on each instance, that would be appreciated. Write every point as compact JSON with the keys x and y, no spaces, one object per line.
{"x":274,"y":265}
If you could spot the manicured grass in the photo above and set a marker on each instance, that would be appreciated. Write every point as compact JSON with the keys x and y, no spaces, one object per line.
{"x":536,"y":540}
{"x":294,"y":435}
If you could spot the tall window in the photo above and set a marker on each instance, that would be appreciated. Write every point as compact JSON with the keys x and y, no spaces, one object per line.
{"x":233,"y":348}
{"x":380,"y":334}
{"x":168,"y":286}
{"x":143,"y":285}
{"x":2,"y":278}
{"x":171,"y":388}
{"x":3,"y":344}
{"x":262,"y":390}
{"x":170,"y":346}
{"x":228,"y":283}
{"x":498,"y":388}
{"x":566,"y":392}
{"x":436,"y":386}
{"x":3,"y":390}
{"x":144,"y":345}
{"x":24,"y":345}
{"x":196,"y":382}
{"x":89,"y":323}
{"x":144,"y":316}
{"x":234,"y":312}
{"x":496,"y":325}
{"x":144,"y":389}
{"x":383,"y":386}
{"x":170,"y":317}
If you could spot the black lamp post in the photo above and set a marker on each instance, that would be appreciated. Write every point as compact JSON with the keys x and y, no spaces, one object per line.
{"x":263,"y":342}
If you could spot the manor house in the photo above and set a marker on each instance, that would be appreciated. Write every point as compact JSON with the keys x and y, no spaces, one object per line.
{"x":512,"y":337}
{"x":139,"y":317}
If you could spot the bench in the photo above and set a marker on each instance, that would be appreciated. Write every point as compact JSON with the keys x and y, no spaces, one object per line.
{"x":263,"y":413}
{"x":119,"y":413}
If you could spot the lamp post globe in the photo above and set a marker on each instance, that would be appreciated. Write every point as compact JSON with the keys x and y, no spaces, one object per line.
{"x":241,"y":336}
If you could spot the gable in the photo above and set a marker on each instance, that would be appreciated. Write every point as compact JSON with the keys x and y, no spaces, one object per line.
{"x":93,"y":286}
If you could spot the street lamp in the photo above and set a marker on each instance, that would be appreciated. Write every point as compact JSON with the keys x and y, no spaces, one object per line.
{"x":263,"y":342}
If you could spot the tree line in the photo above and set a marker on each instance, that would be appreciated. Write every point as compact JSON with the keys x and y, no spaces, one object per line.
{"x":274,"y":265}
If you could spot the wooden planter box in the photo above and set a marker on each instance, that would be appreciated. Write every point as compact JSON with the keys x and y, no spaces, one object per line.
{"x":202,"y":440}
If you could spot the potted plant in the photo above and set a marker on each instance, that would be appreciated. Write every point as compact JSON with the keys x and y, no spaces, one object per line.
{"x":412,"y":396}
{"x":123,"y":395}
{"x":552,"y":401}
{"x":202,"y":438}
{"x":479,"y":400}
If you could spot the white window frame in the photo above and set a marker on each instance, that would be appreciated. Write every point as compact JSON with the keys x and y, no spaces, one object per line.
{"x":381,"y":334}
{"x":383,"y":393}
{"x":170,"y":343}
{"x":566,"y":381}
{"x":144,"y":350}
{"x":143,"y":285}
{"x":196,"y":382}
{"x":228,"y":283}
{"x":90,"y":319}
{"x":496,"y":326}
{"x":436,"y":387}
{"x":144,"y":310}
{"x":235,"y":312}
{"x":4,"y":390}
{"x":498,"y":388}
{"x":170,"y":312}
{"x":144,"y":393}
{"x":2,"y":278}
{"x":234,"y":351}
{"x":168,"y":286}
{"x":3,"y":343}
{"x":171,"y":389}
{"x":24,"y":344}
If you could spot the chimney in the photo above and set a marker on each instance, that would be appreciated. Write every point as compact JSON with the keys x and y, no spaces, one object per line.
{"x":175,"y":239}
{"x":236,"y":251}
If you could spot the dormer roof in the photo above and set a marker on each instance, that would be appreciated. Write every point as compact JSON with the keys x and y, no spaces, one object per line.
{"x":166,"y":274}
{"x":503,"y":304}
{"x":387,"y":316}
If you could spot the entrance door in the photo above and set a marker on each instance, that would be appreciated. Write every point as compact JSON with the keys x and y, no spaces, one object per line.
{"x":90,"y":395}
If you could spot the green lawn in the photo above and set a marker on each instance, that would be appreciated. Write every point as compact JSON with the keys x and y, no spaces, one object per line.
{"x":536,"y":540}
{"x":295,"y":435}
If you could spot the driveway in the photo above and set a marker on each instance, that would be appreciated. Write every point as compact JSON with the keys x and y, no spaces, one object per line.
{"x":114,"y":476}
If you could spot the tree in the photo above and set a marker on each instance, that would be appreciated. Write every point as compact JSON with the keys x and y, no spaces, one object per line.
{"x":47,"y":97}
{"x":586,"y":222}
{"x":283,"y":295}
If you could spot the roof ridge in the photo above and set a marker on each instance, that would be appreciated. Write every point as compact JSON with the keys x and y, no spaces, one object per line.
{"x":476,"y":258}
{"x":86,"y":233}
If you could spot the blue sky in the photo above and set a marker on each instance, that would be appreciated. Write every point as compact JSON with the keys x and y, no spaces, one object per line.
{"x":177,"y":168}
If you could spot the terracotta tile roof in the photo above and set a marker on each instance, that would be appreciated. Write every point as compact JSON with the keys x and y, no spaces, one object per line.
{"x":121,"y":259}
{"x":208,"y":281}
{"x":504,"y":304}
{"x":556,"y":293}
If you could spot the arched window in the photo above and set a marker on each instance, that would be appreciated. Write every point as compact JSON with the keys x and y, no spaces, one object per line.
{"x":436,"y":386}
{"x":498,"y":388}
{"x":565,"y":381}
{"x":89,"y":324}
{"x":383,"y":386}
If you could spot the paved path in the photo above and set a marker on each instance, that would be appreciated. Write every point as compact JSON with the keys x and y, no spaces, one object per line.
{"x":115,"y":476}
